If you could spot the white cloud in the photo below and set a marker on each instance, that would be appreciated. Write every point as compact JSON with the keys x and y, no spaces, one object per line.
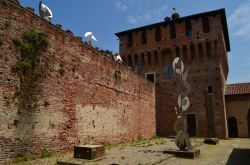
{"x":141,"y":11}
{"x":141,"y":16}
{"x":132,"y":20}
{"x":239,"y":21}
{"x":121,"y":6}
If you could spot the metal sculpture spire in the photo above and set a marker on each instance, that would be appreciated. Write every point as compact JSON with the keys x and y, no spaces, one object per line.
{"x":183,"y":88}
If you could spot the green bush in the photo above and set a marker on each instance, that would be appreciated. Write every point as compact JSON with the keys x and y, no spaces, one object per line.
{"x":28,"y":66}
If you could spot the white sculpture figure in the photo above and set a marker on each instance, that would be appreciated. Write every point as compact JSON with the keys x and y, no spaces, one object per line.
{"x":89,"y":36}
{"x":178,"y":66}
{"x":45,"y":12}
{"x":117,"y":57}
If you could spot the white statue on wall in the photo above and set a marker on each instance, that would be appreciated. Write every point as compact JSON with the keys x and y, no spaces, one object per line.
{"x":45,"y":12}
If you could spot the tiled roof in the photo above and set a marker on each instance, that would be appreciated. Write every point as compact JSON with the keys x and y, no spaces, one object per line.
{"x":236,"y":89}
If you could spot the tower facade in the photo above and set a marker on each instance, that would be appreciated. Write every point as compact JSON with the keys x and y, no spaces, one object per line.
{"x":202,"y":42}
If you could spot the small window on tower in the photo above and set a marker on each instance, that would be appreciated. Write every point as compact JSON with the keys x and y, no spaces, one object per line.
{"x":129,"y":60}
{"x":172,"y":31}
{"x":209,"y":89}
{"x":144,"y":37}
{"x":177,"y":50}
{"x":158,"y":33}
{"x":130,"y":40}
{"x":188,"y":28}
{"x":206,"y":24}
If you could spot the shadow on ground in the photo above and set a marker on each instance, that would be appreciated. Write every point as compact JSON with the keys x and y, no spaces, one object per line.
{"x":239,"y":156}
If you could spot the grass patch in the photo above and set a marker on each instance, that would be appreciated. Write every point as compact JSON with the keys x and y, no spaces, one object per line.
{"x":24,"y":158}
{"x":44,"y":153}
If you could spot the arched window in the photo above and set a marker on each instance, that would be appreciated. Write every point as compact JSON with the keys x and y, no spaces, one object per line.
{"x":185,"y":58}
{"x":209,"y":51}
{"x":168,"y":71}
{"x":200,"y":52}
{"x":129,"y":60}
{"x":177,"y":50}
{"x":192,"y":52}
{"x":156,"y":58}
{"x":149,"y":58}
{"x":142,"y":59}
{"x":136,"y":59}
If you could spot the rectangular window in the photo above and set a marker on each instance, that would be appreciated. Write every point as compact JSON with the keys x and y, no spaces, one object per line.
{"x":130,"y":40}
{"x":150,"y":77}
{"x":172,"y":31}
{"x":168,"y":71}
{"x":158,"y":33}
{"x":177,"y":50}
{"x":209,"y":51}
{"x":142,"y":59}
{"x":206,"y":24}
{"x":129,"y":60}
{"x":188,"y":28}
{"x":144,"y":37}
{"x":209,"y":89}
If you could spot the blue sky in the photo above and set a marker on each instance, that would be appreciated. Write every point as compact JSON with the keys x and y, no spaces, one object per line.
{"x":106,"y":17}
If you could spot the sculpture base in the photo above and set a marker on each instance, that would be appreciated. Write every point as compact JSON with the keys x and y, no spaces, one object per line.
{"x":89,"y":152}
{"x":190,"y":154}
{"x":213,"y":141}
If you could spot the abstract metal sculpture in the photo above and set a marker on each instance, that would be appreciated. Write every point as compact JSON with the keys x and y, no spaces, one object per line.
{"x":45,"y":12}
{"x":182,"y":138}
{"x":89,"y":36}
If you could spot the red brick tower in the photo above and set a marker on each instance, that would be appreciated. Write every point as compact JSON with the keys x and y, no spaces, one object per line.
{"x":202,"y":41}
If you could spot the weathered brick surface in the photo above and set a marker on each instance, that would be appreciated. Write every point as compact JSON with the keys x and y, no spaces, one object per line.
{"x":204,"y":70}
{"x":85,"y":105}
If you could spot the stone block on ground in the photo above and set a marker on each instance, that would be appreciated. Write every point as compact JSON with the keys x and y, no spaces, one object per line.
{"x":213,"y":141}
{"x":89,"y":152}
{"x":189,"y":154}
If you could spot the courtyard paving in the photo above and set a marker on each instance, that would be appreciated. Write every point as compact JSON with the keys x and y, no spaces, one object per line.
{"x":150,"y":152}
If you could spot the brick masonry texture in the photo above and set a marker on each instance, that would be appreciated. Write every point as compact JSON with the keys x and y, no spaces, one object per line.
{"x":88,"y":104}
{"x":204,"y":55}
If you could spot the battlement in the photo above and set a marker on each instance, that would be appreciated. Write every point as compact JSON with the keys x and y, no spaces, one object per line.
{"x":200,"y":39}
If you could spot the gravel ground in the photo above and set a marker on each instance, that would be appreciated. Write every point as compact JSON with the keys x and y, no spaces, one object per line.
{"x":150,"y":152}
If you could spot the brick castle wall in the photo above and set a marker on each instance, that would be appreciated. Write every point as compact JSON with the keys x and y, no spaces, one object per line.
{"x":85,"y":105}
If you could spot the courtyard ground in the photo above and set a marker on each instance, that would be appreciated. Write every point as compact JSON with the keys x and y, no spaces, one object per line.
{"x":150,"y":152}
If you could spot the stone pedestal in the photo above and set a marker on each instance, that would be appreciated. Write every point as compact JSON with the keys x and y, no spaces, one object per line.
{"x":213,"y":141}
{"x":190,"y":154}
{"x":89,"y":152}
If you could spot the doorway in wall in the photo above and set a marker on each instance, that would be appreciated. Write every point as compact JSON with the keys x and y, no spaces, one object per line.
{"x":248,"y":121}
{"x":232,"y":127}
{"x":191,"y":122}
